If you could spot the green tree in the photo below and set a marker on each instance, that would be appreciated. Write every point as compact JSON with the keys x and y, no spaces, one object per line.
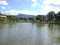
{"x":57,"y":16}
{"x":2,"y":19}
{"x":51,"y":15}
{"x":32,"y":19}
{"x":11,"y":18}
{"x":40,"y":17}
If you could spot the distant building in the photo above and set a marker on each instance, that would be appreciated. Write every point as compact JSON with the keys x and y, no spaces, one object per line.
{"x":3,"y":15}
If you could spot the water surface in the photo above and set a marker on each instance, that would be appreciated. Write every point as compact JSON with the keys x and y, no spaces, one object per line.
{"x":29,"y":34}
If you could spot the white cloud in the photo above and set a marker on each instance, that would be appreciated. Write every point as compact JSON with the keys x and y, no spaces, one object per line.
{"x":56,"y":2}
{"x":34,"y":3}
{"x":46,"y":7}
{"x":3,"y":3}
{"x":15,"y":12}
{"x":3,"y":8}
{"x":12,"y":12}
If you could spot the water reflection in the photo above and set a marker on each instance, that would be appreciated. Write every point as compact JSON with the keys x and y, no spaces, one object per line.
{"x":28,"y":34}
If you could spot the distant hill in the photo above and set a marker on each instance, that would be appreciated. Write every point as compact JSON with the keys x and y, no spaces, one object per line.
{"x":25,"y":16}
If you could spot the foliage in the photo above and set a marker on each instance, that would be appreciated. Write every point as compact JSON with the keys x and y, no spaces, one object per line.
{"x":12,"y":18}
{"x":57,"y":16}
{"x":40,"y":17}
{"x":32,"y":18}
{"x":51,"y":15}
{"x":2,"y":19}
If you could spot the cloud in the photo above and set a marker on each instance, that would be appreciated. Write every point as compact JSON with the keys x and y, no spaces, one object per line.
{"x":3,"y":8}
{"x":3,"y":3}
{"x":12,"y":12}
{"x":47,"y":9}
{"x":34,"y":3}
{"x":44,"y":5}
{"x":15,"y":12}
{"x":47,"y":6}
{"x":56,"y":2}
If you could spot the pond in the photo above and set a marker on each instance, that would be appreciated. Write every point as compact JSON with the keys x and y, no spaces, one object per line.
{"x":29,"y":34}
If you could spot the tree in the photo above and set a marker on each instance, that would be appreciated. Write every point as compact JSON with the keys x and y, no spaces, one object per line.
{"x":57,"y":16}
{"x":40,"y":17}
{"x":2,"y":19}
{"x":11,"y":18}
{"x":59,"y":13}
{"x":32,"y":19}
{"x":51,"y":15}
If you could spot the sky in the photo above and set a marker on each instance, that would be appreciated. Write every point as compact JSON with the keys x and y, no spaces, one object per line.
{"x":33,"y":7}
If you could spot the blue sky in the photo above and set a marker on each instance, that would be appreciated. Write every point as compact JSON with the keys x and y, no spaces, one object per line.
{"x":33,"y":7}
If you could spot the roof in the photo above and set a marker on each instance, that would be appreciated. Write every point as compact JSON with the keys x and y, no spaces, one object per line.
{"x":2,"y":14}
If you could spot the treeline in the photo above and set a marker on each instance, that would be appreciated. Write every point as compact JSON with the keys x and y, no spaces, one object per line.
{"x":12,"y":18}
{"x":50,"y":17}
{"x":9,"y":18}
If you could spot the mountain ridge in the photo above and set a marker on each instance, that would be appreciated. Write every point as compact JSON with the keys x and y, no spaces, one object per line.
{"x":25,"y":15}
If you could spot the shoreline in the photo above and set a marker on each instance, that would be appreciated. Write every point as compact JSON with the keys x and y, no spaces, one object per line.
{"x":48,"y":22}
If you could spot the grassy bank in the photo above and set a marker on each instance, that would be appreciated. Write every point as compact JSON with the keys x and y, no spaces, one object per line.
{"x":53,"y":22}
{"x":7,"y":22}
{"x":47,"y":22}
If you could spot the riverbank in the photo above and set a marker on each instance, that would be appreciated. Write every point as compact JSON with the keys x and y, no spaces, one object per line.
{"x":47,"y":22}
{"x":7,"y":22}
{"x":53,"y":22}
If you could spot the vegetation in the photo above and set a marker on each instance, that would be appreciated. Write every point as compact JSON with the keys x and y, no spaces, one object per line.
{"x":32,"y":19}
{"x":51,"y":17}
{"x":9,"y":18}
{"x":40,"y":17}
{"x":2,"y":19}
{"x":12,"y":18}
{"x":57,"y":16}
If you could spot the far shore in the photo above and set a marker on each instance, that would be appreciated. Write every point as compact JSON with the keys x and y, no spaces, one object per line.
{"x":48,"y":22}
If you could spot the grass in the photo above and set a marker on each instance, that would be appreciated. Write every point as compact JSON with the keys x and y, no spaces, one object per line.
{"x":7,"y":22}
{"x":53,"y":22}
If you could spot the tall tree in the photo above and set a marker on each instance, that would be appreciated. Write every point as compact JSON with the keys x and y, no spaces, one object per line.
{"x":51,"y":15}
{"x":57,"y":16}
{"x":11,"y":18}
{"x":40,"y":17}
{"x":2,"y":19}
